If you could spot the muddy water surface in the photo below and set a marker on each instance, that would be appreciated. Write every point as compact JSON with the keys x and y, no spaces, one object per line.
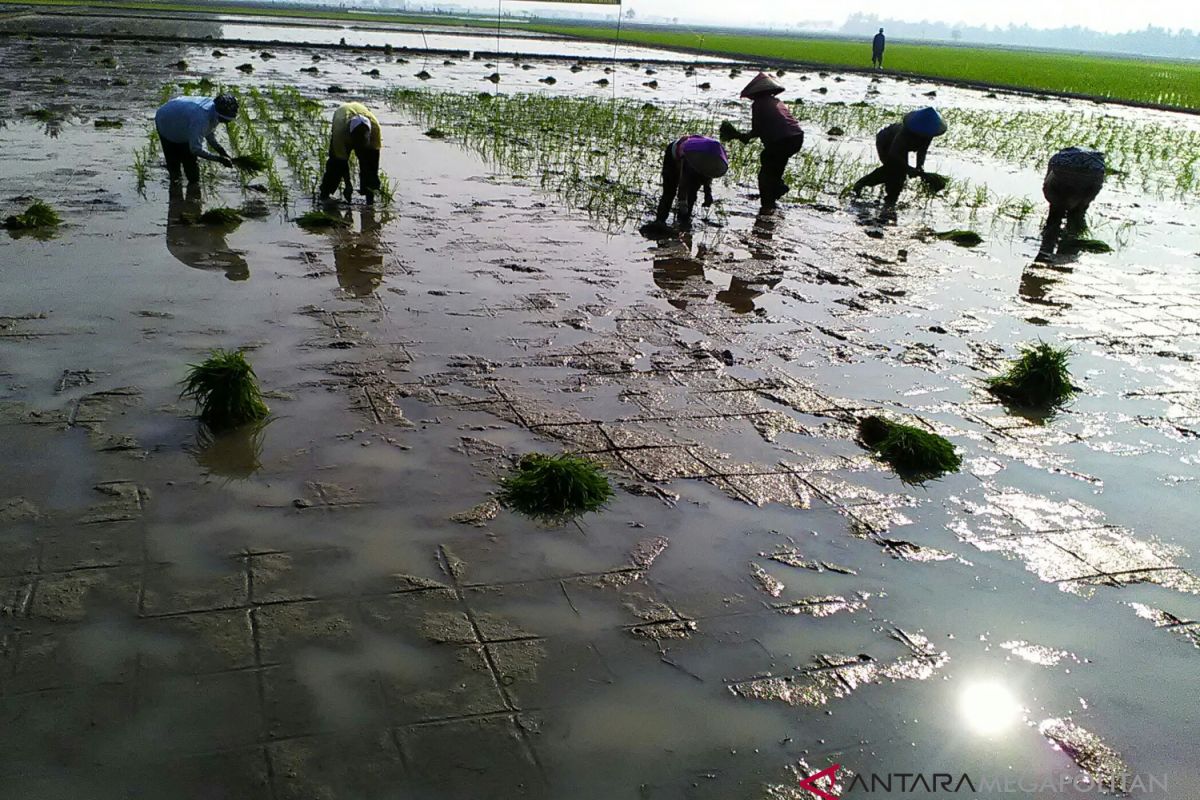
{"x":331,"y":606}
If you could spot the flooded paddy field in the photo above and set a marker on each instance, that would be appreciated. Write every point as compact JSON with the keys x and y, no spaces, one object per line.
{"x":334,"y":605}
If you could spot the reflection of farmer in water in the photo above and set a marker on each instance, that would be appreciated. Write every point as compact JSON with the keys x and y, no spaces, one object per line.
{"x":1073,"y":179}
{"x":779,"y":131}
{"x":689,"y":165}
{"x":877,"y":45}
{"x":913,"y":135}
{"x":354,"y":130}
{"x":199,"y":246}
{"x":682,"y":280}
{"x":184,"y":124}
{"x":358,"y":256}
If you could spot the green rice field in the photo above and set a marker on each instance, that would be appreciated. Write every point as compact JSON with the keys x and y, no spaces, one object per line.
{"x":1159,"y":82}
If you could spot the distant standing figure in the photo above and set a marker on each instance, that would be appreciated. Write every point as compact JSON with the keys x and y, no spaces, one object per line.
{"x":781,"y":134}
{"x":877,"y":45}
{"x":354,"y":130}
{"x":1073,"y":179}
{"x":689,"y":165}
{"x":893,"y":144}
{"x":184,"y":124}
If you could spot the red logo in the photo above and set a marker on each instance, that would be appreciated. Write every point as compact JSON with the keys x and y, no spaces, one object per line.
{"x":810,"y":782}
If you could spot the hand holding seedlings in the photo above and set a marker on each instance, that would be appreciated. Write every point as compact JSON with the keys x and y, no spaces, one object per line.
{"x":781,"y":135}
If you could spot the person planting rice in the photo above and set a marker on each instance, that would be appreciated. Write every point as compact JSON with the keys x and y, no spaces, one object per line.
{"x":913,"y":134}
{"x":355,"y":130}
{"x":1073,"y":179}
{"x":184,"y":124}
{"x":781,"y":135}
{"x":689,"y":165}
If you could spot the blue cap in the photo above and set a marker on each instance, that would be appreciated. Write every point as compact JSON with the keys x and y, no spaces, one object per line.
{"x":925,"y":121}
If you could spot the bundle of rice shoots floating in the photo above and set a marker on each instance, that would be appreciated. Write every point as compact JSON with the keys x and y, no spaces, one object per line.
{"x":1039,"y":378}
{"x":251,"y":163}
{"x":38,"y":215}
{"x":1085,"y":246}
{"x":220,"y":216}
{"x":320,"y":220}
{"x":225,"y":389}
{"x":934,"y":182}
{"x":960,"y":237}
{"x":555,"y":489}
{"x":914,"y":453}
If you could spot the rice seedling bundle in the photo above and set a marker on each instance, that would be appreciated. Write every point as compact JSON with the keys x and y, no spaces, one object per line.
{"x":1039,"y":378}
{"x":914,"y":453}
{"x":319,"y":220}
{"x":960,"y":237}
{"x":225,"y":389}
{"x":37,"y":215}
{"x":555,"y":489}
{"x":220,"y":216}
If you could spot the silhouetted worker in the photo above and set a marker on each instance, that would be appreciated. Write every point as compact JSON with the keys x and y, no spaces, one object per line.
{"x":913,"y":135}
{"x":781,"y":134}
{"x":354,"y":130}
{"x":689,"y":165}
{"x":195,"y":245}
{"x":877,"y":45}
{"x":184,"y":124}
{"x":1073,"y":179}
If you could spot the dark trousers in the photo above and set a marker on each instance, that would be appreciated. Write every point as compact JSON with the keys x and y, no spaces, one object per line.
{"x":775,"y":157}
{"x":337,"y":172}
{"x":1070,"y":194}
{"x":675,"y":173}
{"x":877,"y":60}
{"x":180,"y":157}
{"x":893,"y":176}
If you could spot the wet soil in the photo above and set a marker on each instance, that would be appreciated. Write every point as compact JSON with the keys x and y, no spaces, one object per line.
{"x":333,"y":605}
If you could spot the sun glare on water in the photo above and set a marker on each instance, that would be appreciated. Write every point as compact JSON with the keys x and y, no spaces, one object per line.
{"x":988,"y":707}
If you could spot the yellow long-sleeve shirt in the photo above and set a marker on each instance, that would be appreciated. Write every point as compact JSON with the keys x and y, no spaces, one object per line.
{"x":339,"y":135}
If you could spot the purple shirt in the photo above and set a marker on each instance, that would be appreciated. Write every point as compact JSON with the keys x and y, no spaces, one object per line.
{"x":771,"y":121}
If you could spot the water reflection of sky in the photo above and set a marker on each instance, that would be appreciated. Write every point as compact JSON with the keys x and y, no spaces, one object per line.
{"x":358,"y":37}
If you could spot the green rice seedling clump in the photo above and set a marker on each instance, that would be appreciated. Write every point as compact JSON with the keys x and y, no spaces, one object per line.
{"x":729,"y":131}
{"x":960,"y":237}
{"x":934,"y":182}
{"x":38,"y":215}
{"x":221,"y":216}
{"x":555,"y":489}
{"x":1038,"y":378}
{"x":225,"y":388}
{"x":251,"y":162}
{"x":103,"y":124}
{"x":1087,"y":246}
{"x":913,"y":452}
{"x":435,"y":133}
{"x":319,"y":220}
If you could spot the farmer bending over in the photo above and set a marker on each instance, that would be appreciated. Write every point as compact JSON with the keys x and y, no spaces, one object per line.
{"x":355,"y":130}
{"x":690,"y":164}
{"x":1073,"y":179}
{"x":913,"y":135}
{"x":184,"y":124}
{"x":781,"y":136}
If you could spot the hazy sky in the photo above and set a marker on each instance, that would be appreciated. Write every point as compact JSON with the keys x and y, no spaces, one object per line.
{"x":1102,"y":15}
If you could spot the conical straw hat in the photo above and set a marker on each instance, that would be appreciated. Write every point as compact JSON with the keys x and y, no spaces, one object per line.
{"x":925,"y":121}
{"x":762,"y":84}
